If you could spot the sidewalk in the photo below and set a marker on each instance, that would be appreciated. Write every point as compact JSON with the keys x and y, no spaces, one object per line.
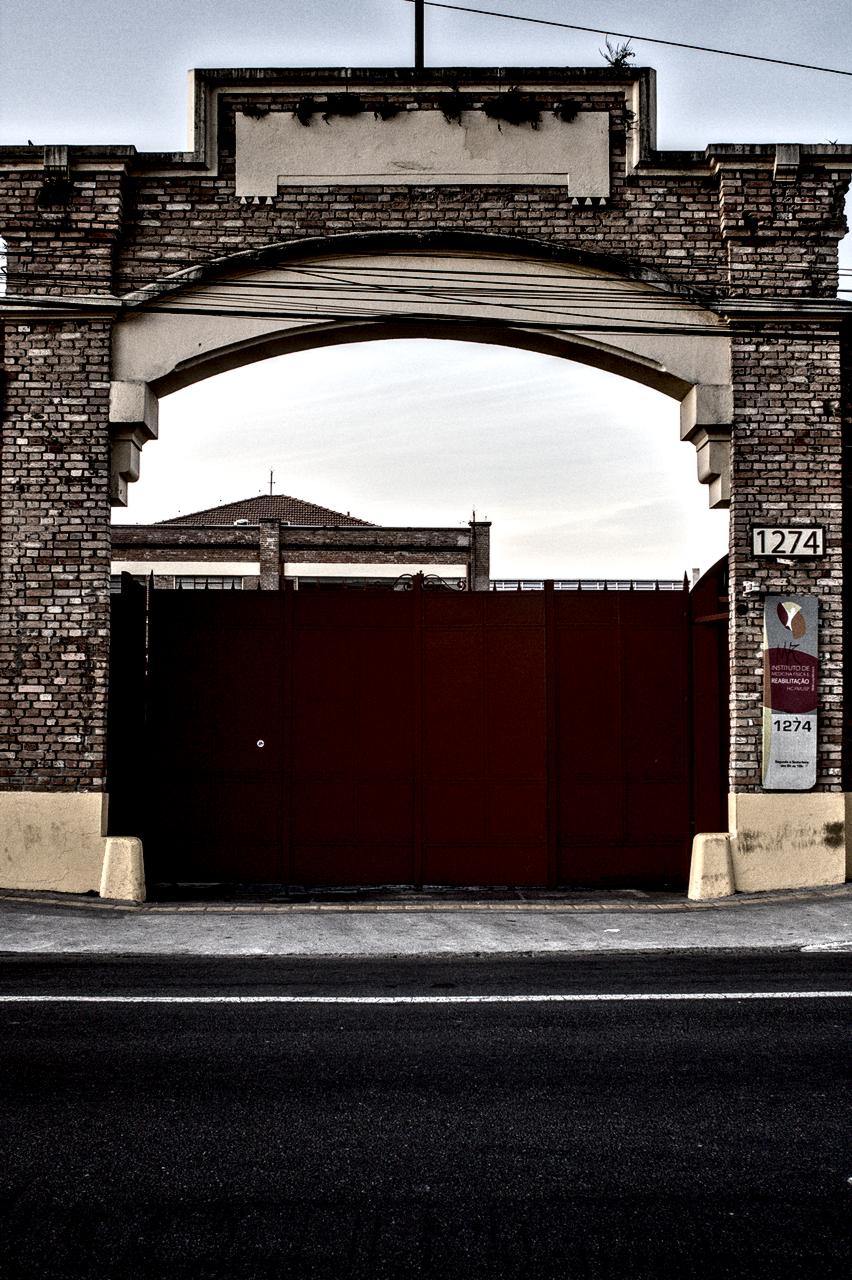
{"x":396,"y":922}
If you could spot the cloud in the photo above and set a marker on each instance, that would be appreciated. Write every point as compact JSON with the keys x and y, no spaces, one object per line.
{"x":580,"y":471}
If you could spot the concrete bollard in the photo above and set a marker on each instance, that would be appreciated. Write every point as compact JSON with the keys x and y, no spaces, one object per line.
{"x":711,"y":871}
{"x":123,"y":871}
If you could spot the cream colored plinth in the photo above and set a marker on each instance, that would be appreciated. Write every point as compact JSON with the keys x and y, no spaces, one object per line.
{"x":56,"y":840}
{"x":711,"y":871}
{"x":787,"y":840}
{"x":52,"y":840}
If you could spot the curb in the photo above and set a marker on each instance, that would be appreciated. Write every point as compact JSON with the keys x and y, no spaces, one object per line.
{"x":606,"y":904}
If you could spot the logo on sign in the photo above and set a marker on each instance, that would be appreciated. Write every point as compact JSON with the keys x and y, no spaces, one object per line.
{"x":792,"y":618}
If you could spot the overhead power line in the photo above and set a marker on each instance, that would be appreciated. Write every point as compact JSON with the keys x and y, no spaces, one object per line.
{"x":364,"y":293}
{"x":628,"y":35}
{"x":468,"y":284}
{"x":397,"y":278}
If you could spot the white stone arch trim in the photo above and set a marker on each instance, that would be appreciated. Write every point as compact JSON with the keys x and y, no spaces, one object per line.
{"x":175,"y":336}
{"x":380,"y":244}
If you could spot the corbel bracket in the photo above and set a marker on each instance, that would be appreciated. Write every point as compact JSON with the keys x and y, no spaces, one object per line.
{"x":705,"y":421}
{"x":133,"y":420}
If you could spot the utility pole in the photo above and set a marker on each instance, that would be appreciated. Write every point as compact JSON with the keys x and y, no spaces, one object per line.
{"x":271,"y":474}
{"x":419,"y":12}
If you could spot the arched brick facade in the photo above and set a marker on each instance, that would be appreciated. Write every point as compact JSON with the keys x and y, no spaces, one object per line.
{"x":734,"y":245}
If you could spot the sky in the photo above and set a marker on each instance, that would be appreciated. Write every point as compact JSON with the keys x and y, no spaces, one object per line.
{"x":581,"y":472}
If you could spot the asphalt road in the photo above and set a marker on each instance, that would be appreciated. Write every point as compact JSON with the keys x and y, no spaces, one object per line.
{"x":682,"y":1137}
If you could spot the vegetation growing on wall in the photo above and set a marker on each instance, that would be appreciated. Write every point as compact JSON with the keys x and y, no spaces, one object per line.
{"x":619,"y":56}
{"x":451,"y":105}
{"x":512,"y":107}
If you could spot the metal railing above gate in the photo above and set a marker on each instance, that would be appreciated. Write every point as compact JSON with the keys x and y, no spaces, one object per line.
{"x":591,"y":584}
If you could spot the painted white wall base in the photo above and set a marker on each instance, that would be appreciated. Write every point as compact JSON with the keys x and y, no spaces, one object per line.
{"x":52,"y":839}
{"x":787,"y":840}
{"x":57,"y":840}
{"x":781,"y":840}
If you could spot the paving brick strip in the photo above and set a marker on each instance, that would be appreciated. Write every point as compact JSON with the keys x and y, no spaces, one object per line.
{"x":631,"y":900}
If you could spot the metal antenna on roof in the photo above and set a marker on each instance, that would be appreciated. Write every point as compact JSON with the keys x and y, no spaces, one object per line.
{"x":271,"y":474}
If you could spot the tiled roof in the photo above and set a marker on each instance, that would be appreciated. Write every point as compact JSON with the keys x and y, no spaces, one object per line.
{"x":268,"y":506}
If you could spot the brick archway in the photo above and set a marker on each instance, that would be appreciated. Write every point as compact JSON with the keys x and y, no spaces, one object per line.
{"x":743,"y":238}
{"x":175,"y":333}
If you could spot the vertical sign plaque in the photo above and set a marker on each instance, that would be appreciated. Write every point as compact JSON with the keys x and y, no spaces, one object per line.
{"x":790,"y":682}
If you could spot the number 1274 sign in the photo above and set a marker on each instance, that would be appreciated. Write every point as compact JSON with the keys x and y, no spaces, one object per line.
{"x":775,"y":540}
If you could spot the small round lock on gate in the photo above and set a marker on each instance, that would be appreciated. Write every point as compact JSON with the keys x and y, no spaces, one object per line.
{"x":260,"y":742}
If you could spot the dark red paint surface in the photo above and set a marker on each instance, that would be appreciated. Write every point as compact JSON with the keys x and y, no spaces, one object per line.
{"x":421,"y":737}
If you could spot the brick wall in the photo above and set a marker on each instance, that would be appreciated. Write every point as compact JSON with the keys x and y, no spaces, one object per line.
{"x":786,"y":463}
{"x":720,"y":232}
{"x":846,"y":428}
{"x":179,"y":223}
{"x":54,"y":555}
{"x":67,"y":249}
{"x":720,"y":224}
{"x":711,"y":223}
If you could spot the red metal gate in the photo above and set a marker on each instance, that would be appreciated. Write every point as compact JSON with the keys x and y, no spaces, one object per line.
{"x":417,"y":737}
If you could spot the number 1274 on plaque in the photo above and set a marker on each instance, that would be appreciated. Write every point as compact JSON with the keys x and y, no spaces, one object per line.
{"x":773,"y":540}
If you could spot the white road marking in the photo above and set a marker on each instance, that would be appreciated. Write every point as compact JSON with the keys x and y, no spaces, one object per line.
{"x":568,"y":998}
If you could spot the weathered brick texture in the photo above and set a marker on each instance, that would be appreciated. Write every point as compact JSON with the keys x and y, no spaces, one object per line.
{"x":846,"y":427}
{"x":786,"y":467}
{"x":54,"y":555}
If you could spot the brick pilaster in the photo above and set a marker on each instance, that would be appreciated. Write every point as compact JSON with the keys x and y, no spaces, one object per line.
{"x":54,"y":555}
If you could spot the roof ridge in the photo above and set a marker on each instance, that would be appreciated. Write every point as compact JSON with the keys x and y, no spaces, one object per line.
{"x":283,"y":506}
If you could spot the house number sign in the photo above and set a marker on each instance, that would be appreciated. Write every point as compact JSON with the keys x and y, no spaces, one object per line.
{"x":778,"y":540}
{"x":790,"y":682}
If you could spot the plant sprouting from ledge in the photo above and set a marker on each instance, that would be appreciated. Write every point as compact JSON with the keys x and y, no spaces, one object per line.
{"x":514,"y":107}
{"x":305,"y":109}
{"x":335,"y":104}
{"x":452,"y":104}
{"x":385,"y":110}
{"x":567,"y":110}
{"x":619,"y":56}
{"x":625,"y":122}
{"x":342,"y":104}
